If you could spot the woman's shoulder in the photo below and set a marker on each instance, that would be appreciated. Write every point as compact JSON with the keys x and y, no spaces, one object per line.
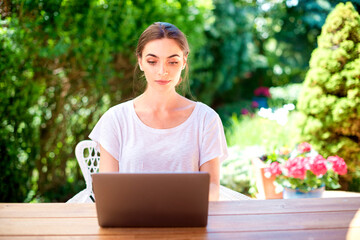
{"x":205,"y":110}
{"x":121,"y":107}
{"x":206,"y":114}
{"x":118,"y":111}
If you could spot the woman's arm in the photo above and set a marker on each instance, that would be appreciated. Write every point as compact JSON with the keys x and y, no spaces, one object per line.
{"x":213,"y":168}
{"x":107,"y":162}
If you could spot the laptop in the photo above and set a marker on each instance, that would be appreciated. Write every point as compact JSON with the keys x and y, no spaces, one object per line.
{"x":151,"y":199}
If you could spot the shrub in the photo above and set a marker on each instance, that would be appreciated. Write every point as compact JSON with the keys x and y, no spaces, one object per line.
{"x":19,"y":120}
{"x":62,"y":65}
{"x":330,"y":100}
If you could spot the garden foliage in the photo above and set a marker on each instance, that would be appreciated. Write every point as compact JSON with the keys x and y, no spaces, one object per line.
{"x":19,"y":118}
{"x":330,"y":100}
{"x":64,"y":62}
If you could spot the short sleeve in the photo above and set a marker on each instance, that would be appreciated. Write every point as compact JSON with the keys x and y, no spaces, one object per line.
{"x":107,"y":134}
{"x":213,"y":143}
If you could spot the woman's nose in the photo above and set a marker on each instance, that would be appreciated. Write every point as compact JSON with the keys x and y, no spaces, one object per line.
{"x":162,"y":70}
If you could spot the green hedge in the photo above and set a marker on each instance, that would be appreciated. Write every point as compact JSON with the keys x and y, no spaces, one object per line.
{"x":62,"y":64}
{"x":65,"y":62}
{"x":330,"y":100}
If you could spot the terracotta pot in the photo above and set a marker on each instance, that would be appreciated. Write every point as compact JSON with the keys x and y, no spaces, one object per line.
{"x":265,"y":186}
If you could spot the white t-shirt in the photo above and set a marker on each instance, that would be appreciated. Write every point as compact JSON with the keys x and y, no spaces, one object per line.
{"x":140,"y":148}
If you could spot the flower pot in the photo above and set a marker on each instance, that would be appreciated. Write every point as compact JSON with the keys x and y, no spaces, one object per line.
{"x":262,"y":101}
{"x":265,"y":186}
{"x":296,"y":193}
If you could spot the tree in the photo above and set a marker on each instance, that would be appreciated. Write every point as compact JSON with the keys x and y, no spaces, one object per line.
{"x":255,"y":43}
{"x":63,"y":64}
{"x":19,"y":120}
{"x":330,"y":100}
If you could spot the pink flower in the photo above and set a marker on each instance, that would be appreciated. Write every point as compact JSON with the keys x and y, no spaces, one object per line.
{"x":262,"y":91}
{"x":304,"y":147}
{"x":296,"y":167}
{"x":318,"y":165}
{"x":254,"y":104}
{"x":274,"y":169}
{"x":306,"y":161}
{"x":244,"y":111}
{"x":338,"y":164}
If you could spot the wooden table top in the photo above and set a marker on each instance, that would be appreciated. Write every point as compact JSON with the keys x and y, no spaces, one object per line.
{"x":321,"y":218}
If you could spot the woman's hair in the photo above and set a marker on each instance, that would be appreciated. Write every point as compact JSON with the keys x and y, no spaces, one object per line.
{"x":160,"y":30}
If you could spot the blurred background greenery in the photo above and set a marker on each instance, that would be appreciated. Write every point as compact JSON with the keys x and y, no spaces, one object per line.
{"x":63,"y":63}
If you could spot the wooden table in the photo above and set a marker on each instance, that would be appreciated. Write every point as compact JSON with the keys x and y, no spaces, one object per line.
{"x":322,"y":218}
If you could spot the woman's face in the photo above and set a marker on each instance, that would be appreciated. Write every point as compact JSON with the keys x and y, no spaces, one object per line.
{"x":162,"y":62}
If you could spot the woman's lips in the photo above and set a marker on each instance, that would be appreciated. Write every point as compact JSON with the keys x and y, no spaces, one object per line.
{"x":162,"y":82}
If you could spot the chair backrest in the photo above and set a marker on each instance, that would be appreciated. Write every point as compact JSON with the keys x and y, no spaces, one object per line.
{"x":88,"y":158}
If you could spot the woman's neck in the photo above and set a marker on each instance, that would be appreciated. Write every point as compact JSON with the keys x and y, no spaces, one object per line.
{"x":159,"y":100}
{"x":163,"y":111}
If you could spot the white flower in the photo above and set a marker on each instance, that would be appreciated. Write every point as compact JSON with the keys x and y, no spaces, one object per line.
{"x":279,"y":115}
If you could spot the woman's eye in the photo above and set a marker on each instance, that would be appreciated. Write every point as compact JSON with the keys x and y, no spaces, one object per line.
{"x":174,"y":63}
{"x":151,"y":62}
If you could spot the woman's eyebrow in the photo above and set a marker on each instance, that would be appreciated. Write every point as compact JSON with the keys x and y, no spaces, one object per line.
{"x":153,"y":55}
{"x":174,"y":55}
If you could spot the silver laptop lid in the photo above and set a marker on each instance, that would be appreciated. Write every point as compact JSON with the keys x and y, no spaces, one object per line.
{"x":151,"y":199}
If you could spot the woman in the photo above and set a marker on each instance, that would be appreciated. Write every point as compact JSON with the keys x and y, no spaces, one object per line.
{"x":160,"y":130}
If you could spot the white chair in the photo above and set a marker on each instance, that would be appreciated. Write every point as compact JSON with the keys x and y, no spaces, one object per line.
{"x":89,"y":158}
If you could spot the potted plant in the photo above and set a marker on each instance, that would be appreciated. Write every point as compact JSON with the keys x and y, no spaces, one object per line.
{"x":305,"y":173}
{"x":265,"y":184}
